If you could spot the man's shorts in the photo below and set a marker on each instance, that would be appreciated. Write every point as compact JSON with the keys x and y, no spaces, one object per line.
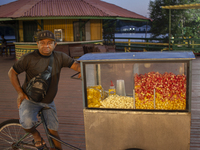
{"x":28,"y":114}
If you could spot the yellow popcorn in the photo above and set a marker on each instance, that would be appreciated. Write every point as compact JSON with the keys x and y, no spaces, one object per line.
{"x":116,"y":101}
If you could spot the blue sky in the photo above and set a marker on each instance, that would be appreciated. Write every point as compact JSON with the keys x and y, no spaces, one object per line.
{"x":137,"y":6}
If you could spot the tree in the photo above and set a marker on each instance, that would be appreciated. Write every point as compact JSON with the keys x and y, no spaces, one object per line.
{"x":191,"y":26}
{"x":160,"y":17}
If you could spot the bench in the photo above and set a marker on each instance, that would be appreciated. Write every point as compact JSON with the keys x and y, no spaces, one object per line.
{"x":8,"y":50}
{"x":76,"y":51}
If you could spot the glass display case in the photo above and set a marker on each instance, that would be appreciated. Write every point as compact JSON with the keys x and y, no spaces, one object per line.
{"x":59,"y":34}
{"x":137,"y":100}
{"x":138,"y":81}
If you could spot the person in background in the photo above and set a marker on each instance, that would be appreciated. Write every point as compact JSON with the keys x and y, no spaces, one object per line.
{"x":3,"y":45}
{"x":34,"y":63}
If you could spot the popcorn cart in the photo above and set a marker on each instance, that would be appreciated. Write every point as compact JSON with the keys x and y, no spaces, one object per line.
{"x":137,"y":100}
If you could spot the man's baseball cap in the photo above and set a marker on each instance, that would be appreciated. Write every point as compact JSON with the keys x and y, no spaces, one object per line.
{"x":46,"y":34}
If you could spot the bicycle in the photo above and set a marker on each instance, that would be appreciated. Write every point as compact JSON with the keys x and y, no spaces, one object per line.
{"x":13,"y":136}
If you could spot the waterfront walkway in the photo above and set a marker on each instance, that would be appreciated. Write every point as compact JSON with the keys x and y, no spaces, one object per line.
{"x":70,"y":105}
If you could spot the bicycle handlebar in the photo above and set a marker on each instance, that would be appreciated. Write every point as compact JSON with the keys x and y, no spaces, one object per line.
{"x":73,"y":76}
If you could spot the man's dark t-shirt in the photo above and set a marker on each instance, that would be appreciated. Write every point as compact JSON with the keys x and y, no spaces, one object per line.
{"x":34,"y":63}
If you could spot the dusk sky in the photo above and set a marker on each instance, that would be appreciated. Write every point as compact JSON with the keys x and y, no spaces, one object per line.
{"x":137,"y":6}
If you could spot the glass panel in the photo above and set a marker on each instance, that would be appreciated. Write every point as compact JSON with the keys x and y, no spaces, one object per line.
{"x":91,"y":74}
{"x":155,"y":86}
{"x":99,"y":78}
{"x":160,"y":86}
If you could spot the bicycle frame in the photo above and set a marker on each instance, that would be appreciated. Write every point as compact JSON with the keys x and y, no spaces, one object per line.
{"x":49,"y":136}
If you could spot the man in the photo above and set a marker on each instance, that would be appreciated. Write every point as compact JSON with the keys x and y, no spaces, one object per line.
{"x":3,"y":45}
{"x":34,"y":63}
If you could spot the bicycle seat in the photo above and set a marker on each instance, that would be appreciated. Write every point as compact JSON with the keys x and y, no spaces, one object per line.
{"x":44,"y":108}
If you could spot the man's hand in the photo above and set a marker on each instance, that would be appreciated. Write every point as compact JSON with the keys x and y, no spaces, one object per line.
{"x":76,"y":66}
{"x":20,"y":98}
{"x":79,"y":75}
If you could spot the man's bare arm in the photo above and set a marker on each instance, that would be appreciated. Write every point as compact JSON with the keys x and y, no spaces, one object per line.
{"x":14,"y":80}
{"x":16,"y":84}
{"x":76,"y":66}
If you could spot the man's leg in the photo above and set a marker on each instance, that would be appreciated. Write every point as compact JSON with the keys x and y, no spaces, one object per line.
{"x":56,"y":143}
{"x":51,"y":119}
{"x":28,"y":117}
{"x":36,"y":135}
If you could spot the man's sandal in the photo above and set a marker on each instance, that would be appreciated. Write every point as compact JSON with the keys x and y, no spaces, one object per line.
{"x":42,"y":145}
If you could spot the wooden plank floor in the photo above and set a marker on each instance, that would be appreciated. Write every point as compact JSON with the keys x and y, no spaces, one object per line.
{"x":195,"y":111}
{"x":70,"y":106}
{"x":68,"y":103}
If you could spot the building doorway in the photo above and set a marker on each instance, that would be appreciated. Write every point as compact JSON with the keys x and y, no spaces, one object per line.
{"x":29,"y":28}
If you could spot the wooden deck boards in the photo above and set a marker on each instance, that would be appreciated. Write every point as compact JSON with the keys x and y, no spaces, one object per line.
{"x":70,"y":106}
{"x":68,"y":102}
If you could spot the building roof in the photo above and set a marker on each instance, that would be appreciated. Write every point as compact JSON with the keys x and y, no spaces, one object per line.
{"x":44,"y":9}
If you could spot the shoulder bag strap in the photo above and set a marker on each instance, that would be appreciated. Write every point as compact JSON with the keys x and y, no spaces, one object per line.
{"x":51,"y":60}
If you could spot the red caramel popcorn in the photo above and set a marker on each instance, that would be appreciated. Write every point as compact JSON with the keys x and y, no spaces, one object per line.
{"x":170,"y":91}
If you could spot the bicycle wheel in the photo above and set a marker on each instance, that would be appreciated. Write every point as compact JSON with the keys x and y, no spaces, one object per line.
{"x":10,"y":133}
